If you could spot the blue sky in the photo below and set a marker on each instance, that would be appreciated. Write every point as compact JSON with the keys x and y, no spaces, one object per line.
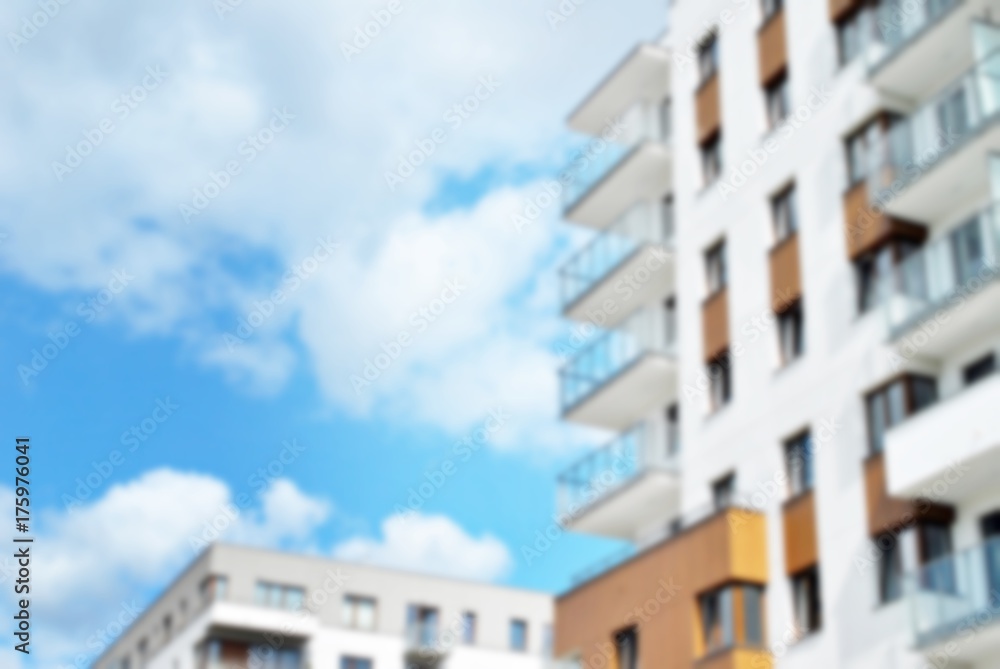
{"x":240,"y":177}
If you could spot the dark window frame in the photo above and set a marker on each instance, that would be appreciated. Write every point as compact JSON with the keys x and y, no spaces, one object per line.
{"x":784,"y":214}
{"x":708,"y":57}
{"x":792,"y":317}
{"x":807,"y":583}
{"x":882,"y":394}
{"x":716,"y":268}
{"x":777,"y":104}
{"x":800,"y":463}
{"x":711,"y":159}
{"x":720,"y":381}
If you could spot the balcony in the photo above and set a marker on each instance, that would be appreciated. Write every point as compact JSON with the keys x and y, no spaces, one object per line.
{"x":955,"y":603}
{"x":643,"y":75}
{"x":923,"y":45}
{"x":624,"y":374}
{"x":945,"y":145}
{"x":953,"y":445}
{"x":632,"y":261}
{"x":631,"y":164}
{"x":950,"y":283}
{"x":624,"y":486}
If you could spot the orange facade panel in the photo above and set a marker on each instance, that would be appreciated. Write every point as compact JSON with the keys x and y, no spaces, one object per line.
{"x":786,"y":275}
{"x":772,"y":51}
{"x":865,"y":230}
{"x":658,"y":591}
{"x":708,"y":108}
{"x":715,"y":324}
{"x":889,"y":514}
{"x":738,"y":658}
{"x":801,"y":550}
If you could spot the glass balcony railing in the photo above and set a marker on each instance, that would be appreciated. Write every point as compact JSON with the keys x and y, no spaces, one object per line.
{"x":644,"y":223}
{"x":898,"y":22}
{"x":643,"y":122}
{"x":648,"y":331}
{"x":606,"y":469}
{"x":947,"y":593}
{"x":958,"y":263}
{"x":917,"y":143}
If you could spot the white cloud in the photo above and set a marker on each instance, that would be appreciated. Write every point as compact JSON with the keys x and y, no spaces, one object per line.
{"x":324,"y":175}
{"x":433,"y":545}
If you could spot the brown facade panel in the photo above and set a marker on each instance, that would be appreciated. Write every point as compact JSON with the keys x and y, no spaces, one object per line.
{"x":889,"y":514}
{"x":865,"y":230}
{"x":801,"y":551}
{"x":771,"y":48}
{"x":708,"y":108}
{"x":841,"y":8}
{"x":715,"y":324}
{"x":786,"y":275}
{"x":664,"y":583}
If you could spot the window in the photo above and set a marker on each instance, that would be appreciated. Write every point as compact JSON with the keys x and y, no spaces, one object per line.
{"x":211,"y":653}
{"x":666,"y":130}
{"x":422,"y":626}
{"x":627,"y":648}
{"x":468,"y":628}
{"x":673,"y":416}
{"x":708,"y":57}
{"x":776,"y":99}
{"x":890,"y":405}
{"x":667,"y":208}
{"x":806,"y":602}
{"x":721,"y":625}
{"x":867,"y":147}
{"x":791,"y":333}
{"x":715,"y":268}
{"x":753,"y":615}
{"x":770,"y":8}
{"x":724,"y":491}
{"x":799,"y":464}
{"x":168,"y":628}
{"x":518,"y":635}
{"x":875,"y":269}
{"x":784,"y":214}
{"x":711,"y":159}
{"x":979,"y":370}
{"x":214,"y":588}
{"x":720,"y":381}
{"x":670,"y":321}
{"x":938,"y":572}
{"x":355,"y":663}
{"x":277,"y":596}
{"x":358,"y":612}
{"x":268,"y":657}
{"x":854,"y":32}
{"x":890,"y":569}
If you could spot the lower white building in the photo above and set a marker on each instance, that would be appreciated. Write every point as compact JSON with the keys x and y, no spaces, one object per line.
{"x":247,"y":608}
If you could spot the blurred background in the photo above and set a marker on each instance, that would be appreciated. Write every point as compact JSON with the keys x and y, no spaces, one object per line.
{"x":251,"y":251}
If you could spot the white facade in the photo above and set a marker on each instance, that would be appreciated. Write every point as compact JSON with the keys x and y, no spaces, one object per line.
{"x":319,"y":633}
{"x":951,"y":448}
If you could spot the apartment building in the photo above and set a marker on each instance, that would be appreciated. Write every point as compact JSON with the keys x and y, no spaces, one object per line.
{"x":246,"y":608}
{"x":791,"y":321}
